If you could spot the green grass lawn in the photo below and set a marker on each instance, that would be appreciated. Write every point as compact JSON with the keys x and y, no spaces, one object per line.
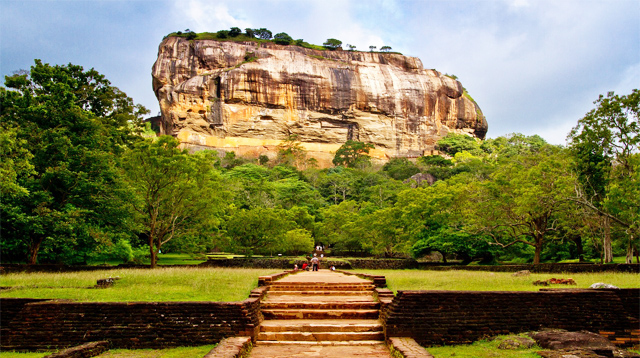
{"x":484,"y":349}
{"x":161,"y":284}
{"x":13,"y":354}
{"x":179,"y":352}
{"x":493,"y":281}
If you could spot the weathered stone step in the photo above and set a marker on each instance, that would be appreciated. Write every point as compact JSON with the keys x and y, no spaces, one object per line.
{"x":317,"y":293}
{"x":334,"y":305}
{"x":320,"y":314}
{"x":290,"y":287}
{"x":319,"y":298}
{"x":322,"y":343}
{"x":320,"y":336}
{"x":343,"y":325}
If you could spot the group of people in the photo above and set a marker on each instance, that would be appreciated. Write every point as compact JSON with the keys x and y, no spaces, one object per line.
{"x":315,"y":264}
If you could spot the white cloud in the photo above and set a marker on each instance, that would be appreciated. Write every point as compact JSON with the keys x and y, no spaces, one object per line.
{"x":207,"y":16}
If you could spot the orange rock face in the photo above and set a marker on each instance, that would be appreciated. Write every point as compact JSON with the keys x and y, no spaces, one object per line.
{"x":248,"y":97}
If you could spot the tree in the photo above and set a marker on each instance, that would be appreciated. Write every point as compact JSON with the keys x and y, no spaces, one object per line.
{"x":263,"y":33}
{"x":257,"y":230}
{"x":371,"y":48}
{"x":68,"y":126}
{"x":282,"y":38}
{"x":235,"y":31}
{"x":250,"y":32}
{"x":222,"y":34}
{"x":332,"y":44}
{"x":400,"y":168}
{"x":353,"y":154}
{"x":604,"y":143}
{"x":177,"y":193}
{"x":385,"y":48}
{"x":522,"y":201}
{"x":455,"y":143}
{"x":351,"y":47}
{"x":290,"y":151}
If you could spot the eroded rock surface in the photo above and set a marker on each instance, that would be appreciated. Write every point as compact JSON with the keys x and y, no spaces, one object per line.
{"x":248,"y":97}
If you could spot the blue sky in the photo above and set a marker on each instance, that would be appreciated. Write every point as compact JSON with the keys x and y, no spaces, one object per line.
{"x":533,"y":66}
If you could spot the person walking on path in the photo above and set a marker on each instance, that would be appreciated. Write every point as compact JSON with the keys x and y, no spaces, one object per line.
{"x":315,"y":262}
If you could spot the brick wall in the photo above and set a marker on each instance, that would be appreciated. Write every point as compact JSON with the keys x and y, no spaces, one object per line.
{"x":59,"y":324}
{"x":454,"y":317}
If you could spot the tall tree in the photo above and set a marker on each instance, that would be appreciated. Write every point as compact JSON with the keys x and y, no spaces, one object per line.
{"x":70,"y":126}
{"x":605,"y":143}
{"x":521,"y":202}
{"x":353,"y":154}
{"x":177,"y":193}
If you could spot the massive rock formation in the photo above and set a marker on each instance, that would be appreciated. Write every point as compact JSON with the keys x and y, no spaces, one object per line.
{"x":248,"y":97}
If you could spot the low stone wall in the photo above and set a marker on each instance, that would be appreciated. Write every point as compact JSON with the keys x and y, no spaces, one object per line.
{"x":458,"y":317}
{"x":343,"y":264}
{"x":538,"y":268}
{"x":59,"y":324}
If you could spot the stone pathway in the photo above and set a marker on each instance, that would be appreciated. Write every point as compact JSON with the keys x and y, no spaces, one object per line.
{"x":320,"y":314}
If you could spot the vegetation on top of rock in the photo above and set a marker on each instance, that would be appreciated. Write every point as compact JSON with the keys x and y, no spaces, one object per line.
{"x":264,"y":35}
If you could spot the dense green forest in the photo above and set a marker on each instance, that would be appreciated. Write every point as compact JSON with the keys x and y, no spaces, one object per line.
{"x":83,"y":179}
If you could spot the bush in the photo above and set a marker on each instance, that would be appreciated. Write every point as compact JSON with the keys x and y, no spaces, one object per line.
{"x":282,"y":38}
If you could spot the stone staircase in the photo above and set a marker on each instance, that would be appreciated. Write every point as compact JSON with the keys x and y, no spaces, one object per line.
{"x":311,"y":308}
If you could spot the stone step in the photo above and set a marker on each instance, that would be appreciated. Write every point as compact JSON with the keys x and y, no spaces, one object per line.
{"x":320,"y":336}
{"x":319,"y":298}
{"x":322,"y":343}
{"x":312,"y":287}
{"x":331,"y":305}
{"x":318,"y":293}
{"x":320,"y":314}
{"x":343,"y":325}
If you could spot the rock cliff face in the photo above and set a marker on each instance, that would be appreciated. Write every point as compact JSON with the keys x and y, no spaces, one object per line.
{"x":248,"y":97}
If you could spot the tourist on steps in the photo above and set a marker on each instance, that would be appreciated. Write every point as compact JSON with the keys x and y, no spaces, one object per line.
{"x":314,"y":262}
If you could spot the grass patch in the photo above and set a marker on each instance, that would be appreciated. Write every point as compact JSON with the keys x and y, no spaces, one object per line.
{"x":163,"y":259}
{"x":162,"y":284}
{"x":484,"y":349}
{"x":494,"y":281}
{"x":14,"y":354}
{"x":179,"y":352}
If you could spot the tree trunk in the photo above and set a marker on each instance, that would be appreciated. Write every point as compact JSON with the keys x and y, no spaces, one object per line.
{"x":606,"y":243}
{"x":34,"y":247}
{"x":539,"y":241}
{"x":154,"y":253}
{"x":579,"y":249}
{"x":629,"y":257}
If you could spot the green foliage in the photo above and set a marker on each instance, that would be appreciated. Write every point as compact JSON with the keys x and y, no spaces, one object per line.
{"x":385,"y":48}
{"x":400,"y":168}
{"x":263,"y":33}
{"x":64,"y":129}
{"x":234,"y":31}
{"x":353,"y":154}
{"x":282,"y":38}
{"x":605,"y":144}
{"x":456,"y":143}
{"x":178,"y":194}
{"x":332,"y":44}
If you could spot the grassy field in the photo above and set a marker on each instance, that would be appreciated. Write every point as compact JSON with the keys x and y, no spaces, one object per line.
{"x":484,"y":349}
{"x":179,"y":352}
{"x":162,"y":284}
{"x":493,"y":281}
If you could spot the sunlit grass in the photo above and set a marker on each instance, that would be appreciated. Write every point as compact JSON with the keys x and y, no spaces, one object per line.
{"x":494,"y":281}
{"x":483,"y":349}
{"x":13,"y":354}
{"x":162,"y":284}
{"x":179,"y":352}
